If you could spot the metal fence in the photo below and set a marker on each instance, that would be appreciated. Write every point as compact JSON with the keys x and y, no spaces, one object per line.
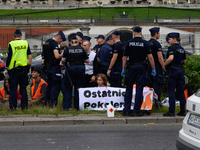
{"x":99,"y":19}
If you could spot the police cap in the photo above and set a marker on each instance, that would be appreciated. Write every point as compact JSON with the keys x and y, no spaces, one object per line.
{"x":137,"y":29}
{"x":174,"y":35}
{"x":79,"y":34}
{"x":62,"y":35}
{"x":115,"y":32}
{"x":35,"y":69}
{"x":73,"y":37}
{"x":154,"y":30}
{"x":86,"y":38}
{"x":100,"y":36}
{"x":18,"y":32}
{"x":109,"y":38}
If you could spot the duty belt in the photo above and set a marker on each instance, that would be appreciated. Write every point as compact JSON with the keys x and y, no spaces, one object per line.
{"x":177,"y":65}
{"x":135,"y":64}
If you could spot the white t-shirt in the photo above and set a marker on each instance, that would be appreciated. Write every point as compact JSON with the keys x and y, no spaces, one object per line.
{"x":89,"y":66}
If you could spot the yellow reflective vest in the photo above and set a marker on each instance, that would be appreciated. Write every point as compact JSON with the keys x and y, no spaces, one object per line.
{"x":19,"y":53}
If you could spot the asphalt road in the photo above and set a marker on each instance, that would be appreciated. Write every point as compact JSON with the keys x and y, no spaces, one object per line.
{"x":103,"y":137}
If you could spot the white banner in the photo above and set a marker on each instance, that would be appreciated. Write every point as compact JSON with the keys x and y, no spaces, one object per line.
{"x":99,"y":97}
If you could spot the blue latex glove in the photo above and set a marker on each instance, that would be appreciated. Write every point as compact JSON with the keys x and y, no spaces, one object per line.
{"x":153,"y":73}
{"x":123,"y":73}
{"x":163,"y":72}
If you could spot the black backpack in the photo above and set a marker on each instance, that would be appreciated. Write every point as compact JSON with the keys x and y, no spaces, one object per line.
{"x":45,"y":50}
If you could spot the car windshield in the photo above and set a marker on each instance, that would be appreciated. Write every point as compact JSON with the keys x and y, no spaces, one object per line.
{"x":198,"y":93}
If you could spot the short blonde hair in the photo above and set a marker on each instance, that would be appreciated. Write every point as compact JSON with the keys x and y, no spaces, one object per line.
{"x":63,"y":46}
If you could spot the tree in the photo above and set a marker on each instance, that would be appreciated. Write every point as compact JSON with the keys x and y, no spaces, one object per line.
{"x":144,"y":1}
{"x":18,"y":1}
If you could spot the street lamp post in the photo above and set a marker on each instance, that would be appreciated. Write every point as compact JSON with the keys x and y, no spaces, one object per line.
{"x":99,"y":9}
{"x":148,"y":3}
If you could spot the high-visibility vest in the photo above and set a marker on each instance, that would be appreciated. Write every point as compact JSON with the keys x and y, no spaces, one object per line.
{"x":38,"y":91}
{"x":19,"y":53}
{"x":2,"y":93}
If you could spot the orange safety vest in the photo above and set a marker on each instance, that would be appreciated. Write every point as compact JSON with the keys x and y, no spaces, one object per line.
{"x":3,"y":92}
{"x":37,"y":93}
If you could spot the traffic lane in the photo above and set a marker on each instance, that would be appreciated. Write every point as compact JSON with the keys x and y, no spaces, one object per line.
{"x":112,"y":137}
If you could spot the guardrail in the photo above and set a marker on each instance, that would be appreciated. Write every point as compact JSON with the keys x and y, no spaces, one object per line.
{"x":120,"y":19}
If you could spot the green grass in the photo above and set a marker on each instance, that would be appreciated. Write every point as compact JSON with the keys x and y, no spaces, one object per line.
{"x":106,"y":13}
{"x":58,"y":110}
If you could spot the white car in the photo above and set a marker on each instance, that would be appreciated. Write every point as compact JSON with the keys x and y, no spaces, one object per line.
{"x":189,"y":135}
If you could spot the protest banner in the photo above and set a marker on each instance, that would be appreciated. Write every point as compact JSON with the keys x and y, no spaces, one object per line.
{"x":98,"y":98}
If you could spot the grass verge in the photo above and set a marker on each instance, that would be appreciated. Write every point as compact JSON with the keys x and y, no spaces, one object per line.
{"x":141,"y":13}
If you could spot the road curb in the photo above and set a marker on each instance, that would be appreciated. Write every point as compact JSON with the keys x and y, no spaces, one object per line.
{"x":91,"y":119}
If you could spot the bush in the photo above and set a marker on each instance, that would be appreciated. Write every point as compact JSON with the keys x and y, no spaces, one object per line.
{"x":192,"y":70}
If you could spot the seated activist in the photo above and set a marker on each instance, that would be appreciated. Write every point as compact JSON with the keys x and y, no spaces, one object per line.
{"x":37,"y":88}
{"x":5,"y":92}
{"x":101,"y":80}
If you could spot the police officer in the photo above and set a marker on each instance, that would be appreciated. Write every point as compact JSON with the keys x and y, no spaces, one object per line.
{"x":137,"y":50}
{"x":176,"y":57}
{"x":104,"y":55}
{"x":54,"y":70}
{"x":16,"y":65}
{"x":156,"y":50}
{"x":87,"y":38}
{"x":100,"y":42}
{"x":115,"y":67}
{"x":74,"y":58}
{"x":79,"y":37}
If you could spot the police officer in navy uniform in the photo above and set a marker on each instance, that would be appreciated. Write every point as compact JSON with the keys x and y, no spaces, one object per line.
{"x":86,"y":38}
{"x":79,"y":37}
{"x":74,"y":58}
{"x":104,"y":55}
{"x":115,"y":67}
{"x":137,"y":50}
{"x":156,"y":50}
{"x":176,"y":57}
{"x":54,"y":70}
{"x":16,"y":65}
{"x":100,"y":42}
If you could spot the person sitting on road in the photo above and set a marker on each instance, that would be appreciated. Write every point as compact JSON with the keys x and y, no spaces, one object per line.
{"x":38,"y":88}
{"x":101,"y":80}
{"x":5,"y":92}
